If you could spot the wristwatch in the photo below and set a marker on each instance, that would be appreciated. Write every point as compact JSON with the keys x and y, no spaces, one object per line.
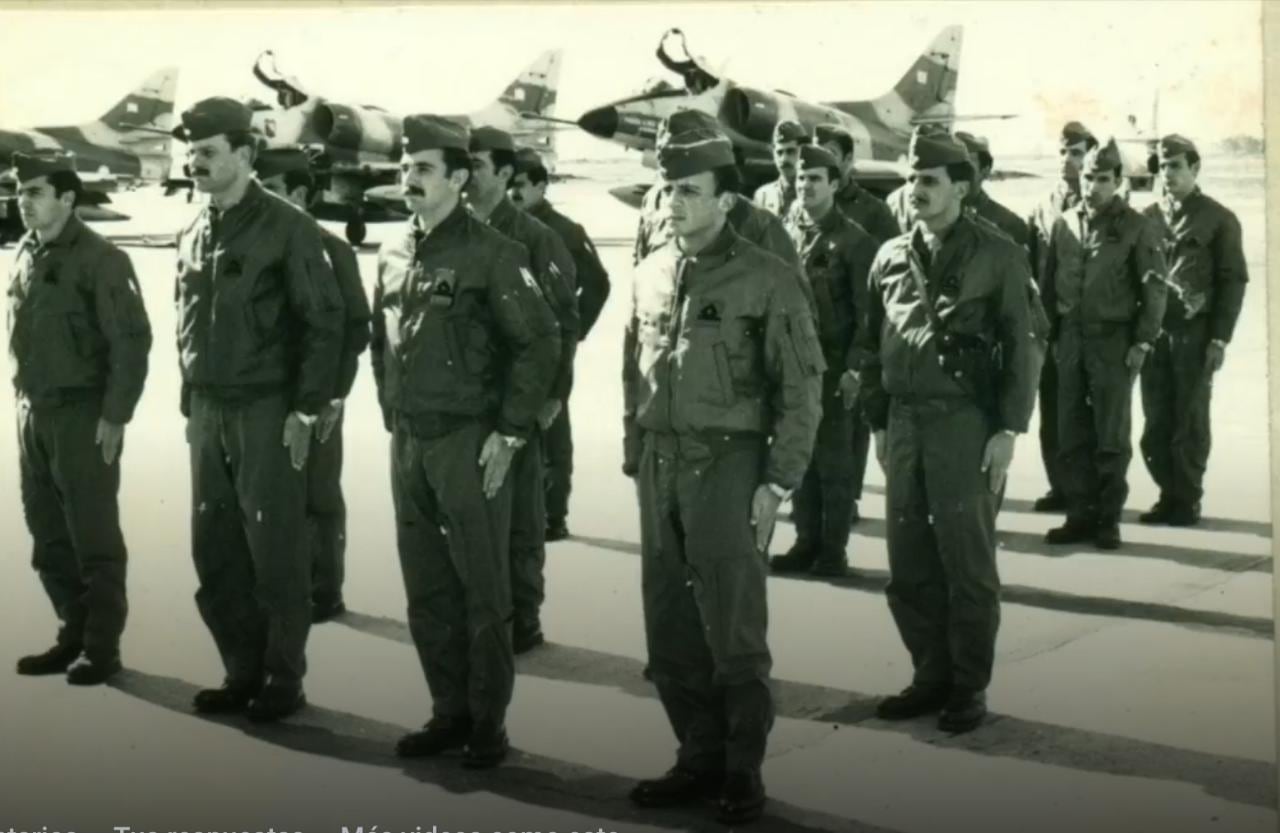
{"x":779,"y":492}
{"x":306,"y":419}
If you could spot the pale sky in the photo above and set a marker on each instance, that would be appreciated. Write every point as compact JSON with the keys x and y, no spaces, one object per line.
{"x":1047,"y":61}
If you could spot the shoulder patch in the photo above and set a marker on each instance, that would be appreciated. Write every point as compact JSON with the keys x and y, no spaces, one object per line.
{"x":527,"y":277}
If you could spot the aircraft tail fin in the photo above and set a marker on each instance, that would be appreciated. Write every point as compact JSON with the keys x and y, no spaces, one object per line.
{"x":929,"y":86}
{"x":150,"y":104}
{"x":534,"y":90}
{"x":532,"y":95}
{"x":927,"y":91}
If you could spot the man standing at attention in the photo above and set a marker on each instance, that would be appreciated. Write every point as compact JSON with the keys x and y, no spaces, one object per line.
{"x":1207,"y":277}
{"x":259,"y":339}
{"x":78,"y":344}
{"x":528,"y":190}
{"x":837,"y":255}
{"x":721,"y":411}
{"x":1073,"y":144}
{"x":493,"y":164}
{"x":948,"y":371}
{"x":286,"y":172}
{"x":464,"y":350}
{"x":1105,"y":286}
{"x":778,"y":196}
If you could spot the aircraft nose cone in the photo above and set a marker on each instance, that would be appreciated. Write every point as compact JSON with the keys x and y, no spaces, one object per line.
{"x":601,"y":122}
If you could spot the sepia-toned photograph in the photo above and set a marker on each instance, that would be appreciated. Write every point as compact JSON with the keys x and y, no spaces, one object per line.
{"x":625,"y":417}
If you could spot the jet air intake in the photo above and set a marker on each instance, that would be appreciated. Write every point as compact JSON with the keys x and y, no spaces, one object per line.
{"x":754,"y":113}
{"x":357,"y":128}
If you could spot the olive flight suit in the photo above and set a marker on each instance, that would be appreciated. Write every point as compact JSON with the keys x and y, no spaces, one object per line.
{"x":1039,"y":228}
{"x":1105,"y":289}
{"x":463,"y":344}
{"x":941,"y":397}
{"x":593,"y":290}
{"x":722,"y":378}
{"x":1207,"y":277}
{"x":326,"y":507}
{"x":837,"y":255}
{"x":554,"y":269}
{"x":78,"y":344}
{"x":260,"y":333}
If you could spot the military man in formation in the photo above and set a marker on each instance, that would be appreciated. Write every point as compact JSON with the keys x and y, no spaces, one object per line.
{"x":837,"y":254}
{"x":856,"y":202}
{"x":1074,"y":142}
{"x":78,"y":343}
{"x":948,"y":368}
{"x":260,"y":335}
{"x":722,"y":405}
{"x":752,"y":222}
{"x":528,"y":190}
{"x":870,"y":212}
{"x":493,"y":165}
{"x":979,"y":201}
{"x":1207,"y":276}
{"x":778,"y":196}
{"x":286,"y":172}
{"x":450,"y":285}
{"x":1104,"y":277}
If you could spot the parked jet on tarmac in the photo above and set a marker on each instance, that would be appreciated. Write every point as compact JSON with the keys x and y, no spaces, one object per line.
{"x":126,"y":146}
{"x":357,"y":147}
{"x":881,"y":126}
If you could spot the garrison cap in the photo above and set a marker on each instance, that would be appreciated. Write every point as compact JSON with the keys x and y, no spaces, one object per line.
{"x":693,"y":152}
{"x":790,"y":131}
{"x":491,"y":138}
{"x":683,"y":120}
{"x":423,"y":131}
{"x":975,"y":144}
{"x":212,"y":116}
{"x":936,"y":150}
{"x":528,"y":159}
{"x":275,"y":161}
{"x":1073,"y":133}
{"x":824,"y":133}
{"x":816,"y":156}
{"x":41,"y":163}
{"x":1103,"y":157}
{"x":1173,"y":145}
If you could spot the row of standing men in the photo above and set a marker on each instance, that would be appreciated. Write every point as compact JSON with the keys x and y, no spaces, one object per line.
{"x":736,"y":362}
{"x":933,"y":317}
{"x":272,"y":319}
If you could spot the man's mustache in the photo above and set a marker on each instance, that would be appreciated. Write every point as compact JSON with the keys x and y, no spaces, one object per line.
{"x":414,"y":191}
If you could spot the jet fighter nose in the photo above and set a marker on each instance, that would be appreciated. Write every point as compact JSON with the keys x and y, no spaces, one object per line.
{"x":601,"y":122}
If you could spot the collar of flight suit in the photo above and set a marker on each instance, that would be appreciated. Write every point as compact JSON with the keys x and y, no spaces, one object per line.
{"x":829,"y":222}
{"x":954,"y":239}
{"x":717,"y":251}
{"x":65,"y":240}
{"x":503,"y":213}
{"x":1105,"y":216}
{"x":851,"y":191}
{"x":444,"y":229}
{"x":541,"y":210}
{"x":1175,"y":209}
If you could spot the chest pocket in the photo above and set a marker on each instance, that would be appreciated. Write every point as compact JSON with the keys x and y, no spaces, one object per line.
{"x":57,"y":320}
{"x":724,"y":344}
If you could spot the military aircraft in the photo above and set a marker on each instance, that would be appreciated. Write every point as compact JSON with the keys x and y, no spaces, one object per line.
{"x":881,"y":126}
{"x":357,"y":147}
{"x":125,"y":147}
